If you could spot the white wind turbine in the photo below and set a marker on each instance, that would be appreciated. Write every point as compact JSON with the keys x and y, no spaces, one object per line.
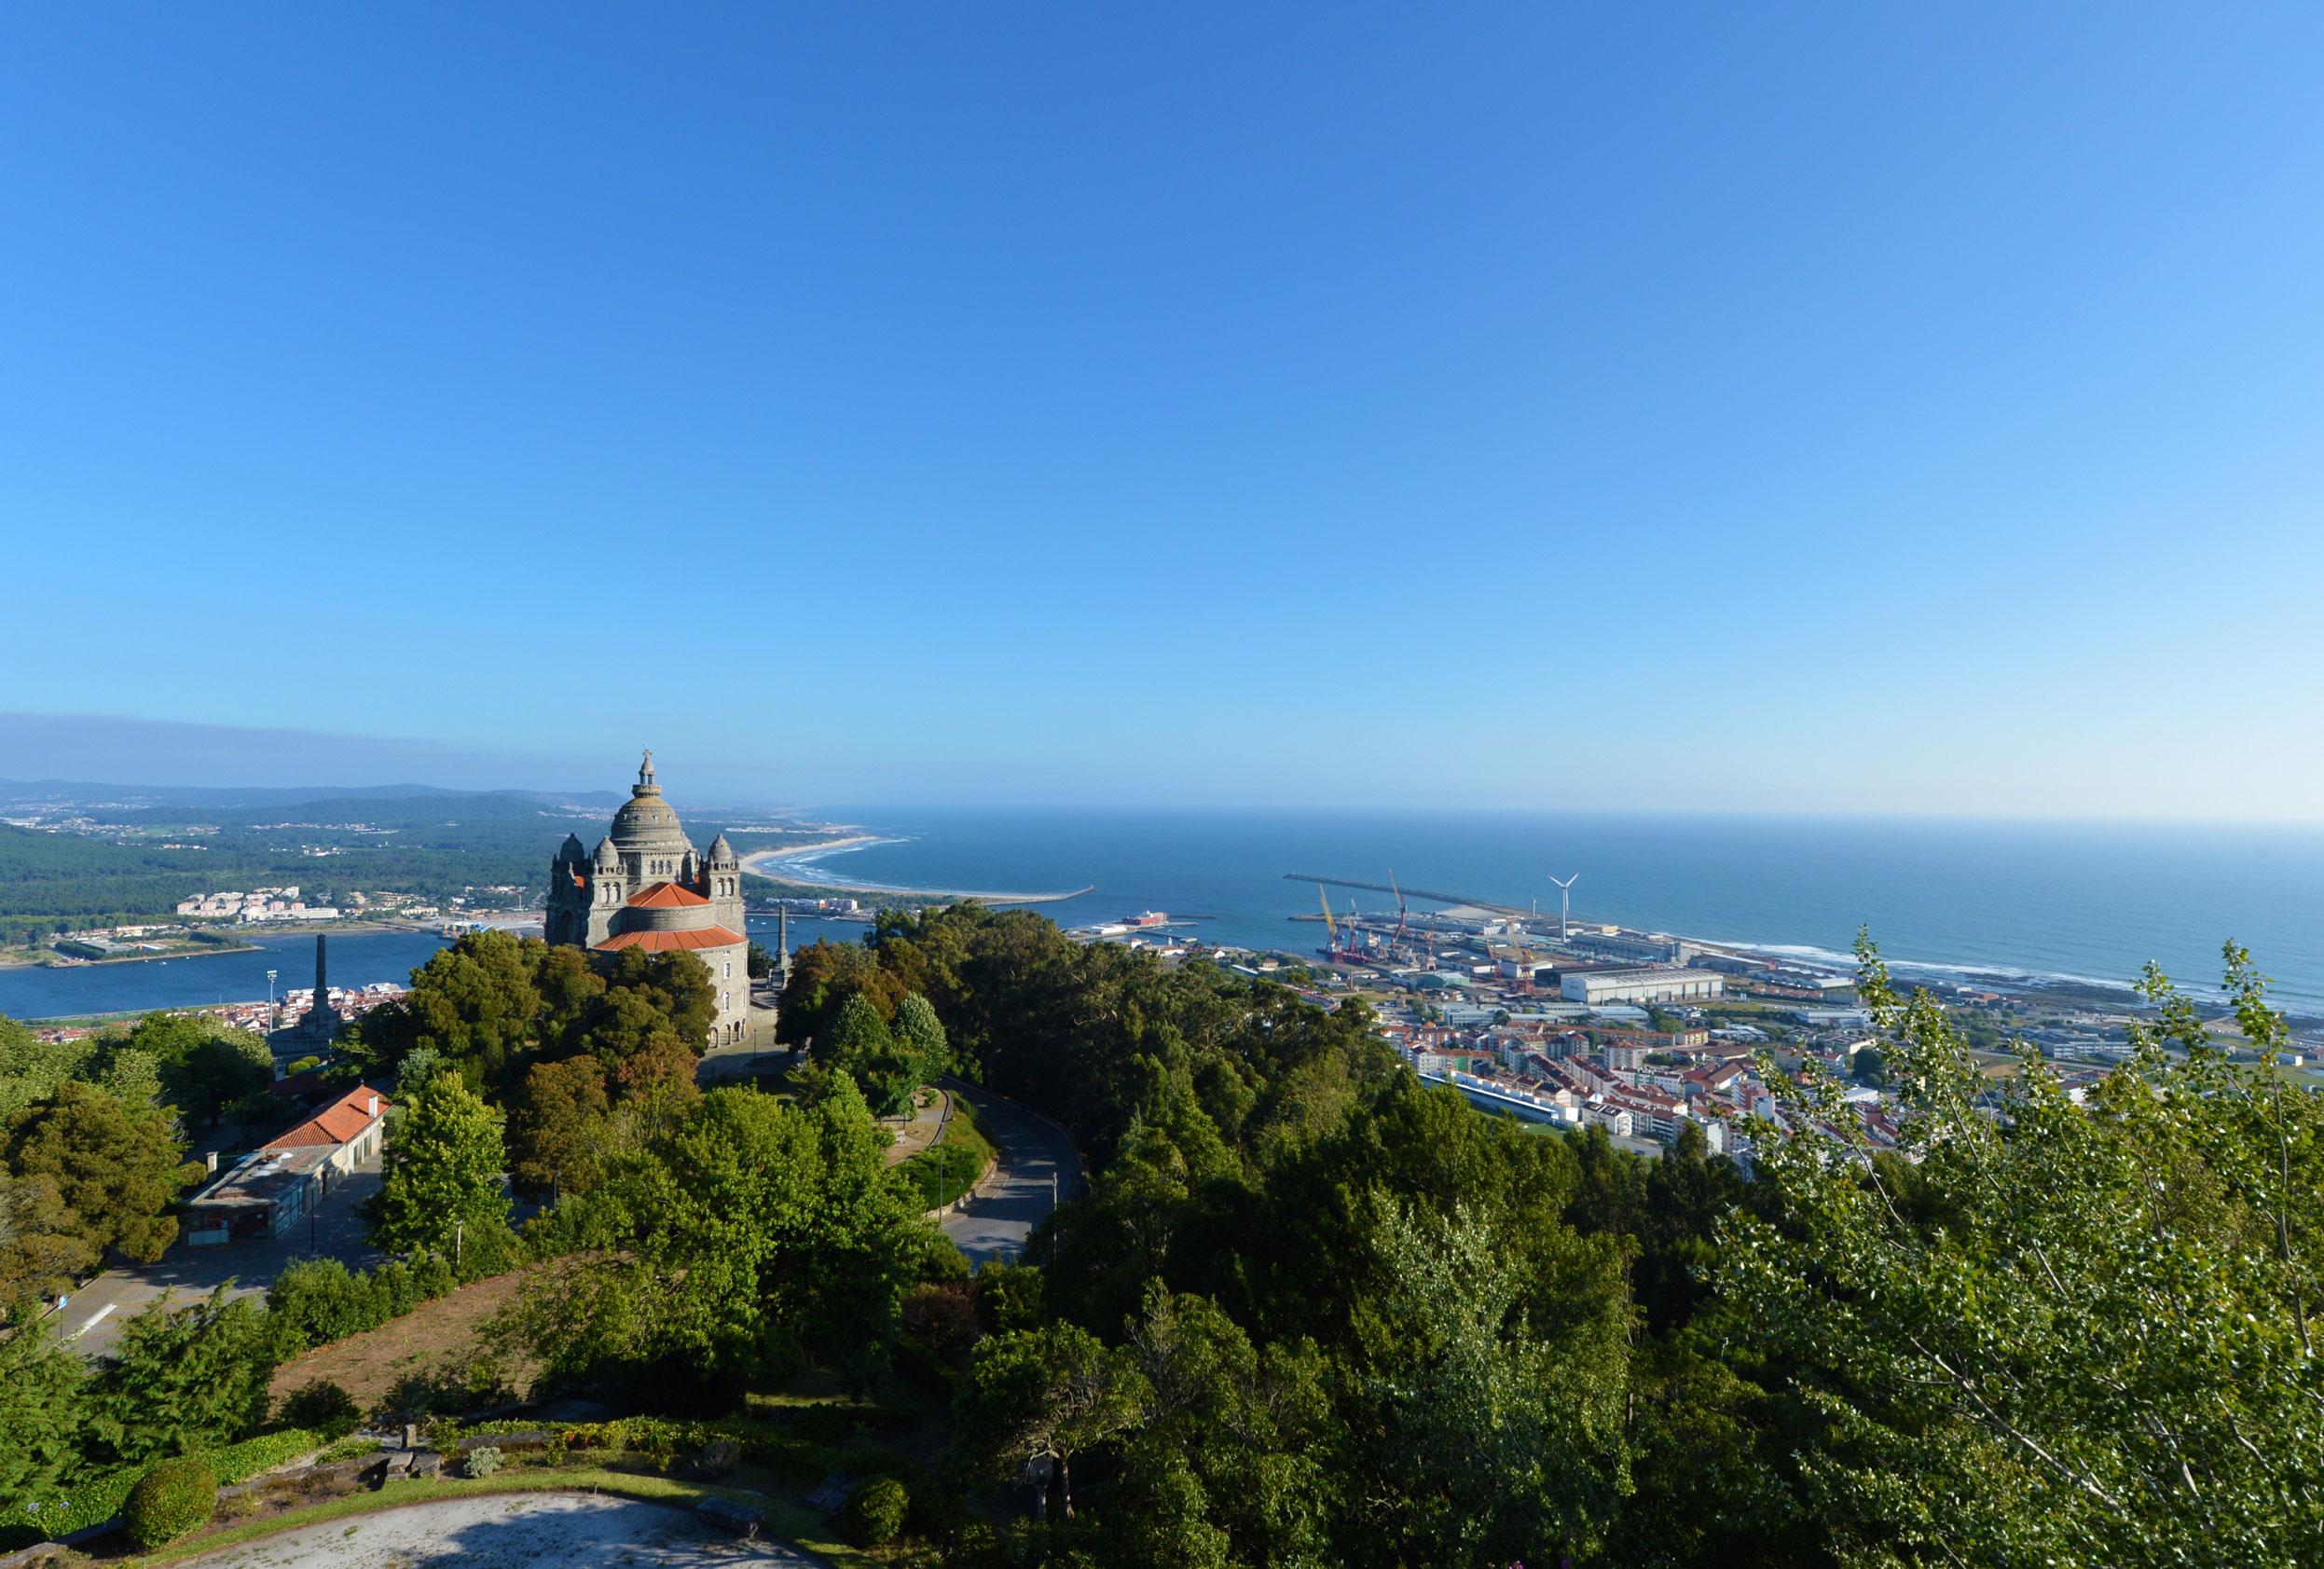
{"x":1565,"y":891}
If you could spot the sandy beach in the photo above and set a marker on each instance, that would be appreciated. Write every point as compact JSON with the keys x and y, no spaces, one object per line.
{"x":781,"y":863}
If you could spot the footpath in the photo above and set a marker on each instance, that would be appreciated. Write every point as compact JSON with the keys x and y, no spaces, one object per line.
{"x":1039,"y":1169}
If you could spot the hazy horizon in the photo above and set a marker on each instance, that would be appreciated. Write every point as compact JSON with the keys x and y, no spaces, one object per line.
{"x":133,"y":754}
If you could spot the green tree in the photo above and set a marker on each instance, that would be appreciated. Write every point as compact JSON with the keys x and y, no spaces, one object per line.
{"x":558,"y":1132}
{"x":2084,"y":1334}
{"x":86,"y":1174}
{"x":742,"y":1236}
{"x":40,"y":1411}
{"x":441,"y":1171}
{"x":860,"y":1044}
{"x":857,"y":1033}
{"x":676,"y":987}
{"x":1489,"y":1436}
{"x":185,"y":1380}
{"x":203,"y":1067}
{"x":32,"y":1070}
{"x":475,"y":1002}
{"x":1229,"y":1461}
{"x":919,"y":1036}
{"x":1042,"y":1399}
{"x":823,"y":976}
{"x":172,"y":1498}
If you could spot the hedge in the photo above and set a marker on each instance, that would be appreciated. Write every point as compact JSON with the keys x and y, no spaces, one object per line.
{"x":95,"y":1499}
{"x":777,"y":1446}
{"x":321,"y":1301}
{"x":238,"y":1463}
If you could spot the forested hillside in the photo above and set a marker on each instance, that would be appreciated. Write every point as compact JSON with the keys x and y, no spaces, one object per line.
{"x":1313,"y":1312}
{"x":142,"y":860}
{"x":1309,"y":1311}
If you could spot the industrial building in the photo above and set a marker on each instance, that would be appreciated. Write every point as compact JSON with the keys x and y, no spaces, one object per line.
{"x":1654,"y":984}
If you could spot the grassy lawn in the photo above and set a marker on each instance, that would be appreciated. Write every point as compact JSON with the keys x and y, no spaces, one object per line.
{"x":944,"y":1171}
{"x":784,"y":1519}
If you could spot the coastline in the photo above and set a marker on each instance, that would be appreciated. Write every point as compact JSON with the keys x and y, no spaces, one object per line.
{"x":791,"y":863}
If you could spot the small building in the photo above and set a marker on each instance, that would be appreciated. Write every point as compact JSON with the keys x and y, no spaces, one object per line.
{"x":269,"y":1192}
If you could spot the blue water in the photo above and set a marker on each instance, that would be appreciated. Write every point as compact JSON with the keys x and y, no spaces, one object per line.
{"x":357,"y":960}
{"x":2033,"y":900}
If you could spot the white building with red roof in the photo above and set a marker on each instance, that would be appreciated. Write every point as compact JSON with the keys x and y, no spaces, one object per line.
{"x":266,"y":1192}
{"x":647,"y":888}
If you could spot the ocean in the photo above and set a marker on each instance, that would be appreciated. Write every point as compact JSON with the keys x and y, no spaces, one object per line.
{"x":2088,"y":903}
{"x":1943,"y":898}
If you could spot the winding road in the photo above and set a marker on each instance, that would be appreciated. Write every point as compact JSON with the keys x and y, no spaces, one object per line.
{"x":1038,"y":1170}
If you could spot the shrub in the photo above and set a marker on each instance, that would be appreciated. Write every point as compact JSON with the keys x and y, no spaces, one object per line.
{"x":432,"y":1276}
{"x":943,"y":1264}
{"x":322,"y":1407}
{"x":876,"y":1511}
{"x":482,"y":1461}
{"x":241,"y":1461}
{"x":91,"y":1501}
{"x":170,"y":1500}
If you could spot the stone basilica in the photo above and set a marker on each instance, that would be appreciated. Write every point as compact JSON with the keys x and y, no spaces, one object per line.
{"x":647,"y":886}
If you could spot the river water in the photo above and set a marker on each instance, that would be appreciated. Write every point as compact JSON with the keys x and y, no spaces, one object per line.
{"x":357,"y":960}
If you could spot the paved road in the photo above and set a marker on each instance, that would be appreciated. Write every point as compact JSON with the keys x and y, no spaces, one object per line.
{"x":192,"y":1272}
{"x":1039,"y":1169}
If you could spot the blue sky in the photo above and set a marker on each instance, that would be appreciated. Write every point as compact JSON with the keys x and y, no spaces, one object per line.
{"x":1765,"y":407}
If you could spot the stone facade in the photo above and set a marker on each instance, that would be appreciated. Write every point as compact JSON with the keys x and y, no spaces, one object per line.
{"x":647,"y":886}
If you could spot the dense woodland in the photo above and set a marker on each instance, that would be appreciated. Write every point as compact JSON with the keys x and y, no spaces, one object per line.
{"x":433,"y":847}
{"x":1313,"y":1312}
{"x":1309,"y":1310}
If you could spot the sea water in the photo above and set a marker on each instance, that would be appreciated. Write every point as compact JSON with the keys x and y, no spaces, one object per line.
{"x":2088,"y":903}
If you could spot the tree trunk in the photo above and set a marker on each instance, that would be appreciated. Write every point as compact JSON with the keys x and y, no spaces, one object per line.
{"x":1064,"y":1484}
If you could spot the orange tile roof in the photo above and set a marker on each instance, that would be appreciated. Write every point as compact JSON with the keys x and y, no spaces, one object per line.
{"x":664,"y":895}
{"x":670,"y":941}
{"x":342,"y":1122}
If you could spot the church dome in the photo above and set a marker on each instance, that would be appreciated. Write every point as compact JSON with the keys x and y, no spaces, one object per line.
{"x":646,"y":823}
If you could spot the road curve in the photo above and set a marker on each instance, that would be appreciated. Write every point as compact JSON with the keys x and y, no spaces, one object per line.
{"x":1039,"y":1169}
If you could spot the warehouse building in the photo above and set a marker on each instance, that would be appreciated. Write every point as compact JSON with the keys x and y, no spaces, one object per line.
{"x":1654,"y":984}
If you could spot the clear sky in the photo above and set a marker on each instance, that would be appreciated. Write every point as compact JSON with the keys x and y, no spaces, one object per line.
{"x":1846,"y":407}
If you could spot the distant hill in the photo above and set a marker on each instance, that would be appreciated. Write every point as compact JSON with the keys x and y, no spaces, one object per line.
{"x":84,"y":792}
{"x":135,"y":851}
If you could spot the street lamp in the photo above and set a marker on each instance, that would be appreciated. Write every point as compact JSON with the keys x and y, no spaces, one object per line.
{"x":270,"y":998}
